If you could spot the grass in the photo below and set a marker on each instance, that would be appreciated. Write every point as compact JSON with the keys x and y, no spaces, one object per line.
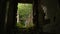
{"x":22,"y":26}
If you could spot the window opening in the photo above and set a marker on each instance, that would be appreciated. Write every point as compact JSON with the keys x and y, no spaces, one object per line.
{"x":25,"y":15}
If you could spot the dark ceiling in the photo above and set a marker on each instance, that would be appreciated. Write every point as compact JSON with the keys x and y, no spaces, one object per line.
{"x":25,"y":1}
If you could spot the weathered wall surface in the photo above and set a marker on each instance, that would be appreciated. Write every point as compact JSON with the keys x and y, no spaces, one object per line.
{"x":53,"y":12}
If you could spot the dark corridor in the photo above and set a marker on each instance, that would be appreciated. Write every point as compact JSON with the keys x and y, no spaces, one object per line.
{"x":45,"y":22}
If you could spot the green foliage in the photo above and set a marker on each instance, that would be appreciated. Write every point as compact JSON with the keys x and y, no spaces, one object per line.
{"x":24,"y":11}
{"x":20,"y":25}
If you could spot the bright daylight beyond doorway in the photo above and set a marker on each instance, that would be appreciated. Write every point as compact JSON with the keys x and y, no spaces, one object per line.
{"x":25,"y":15}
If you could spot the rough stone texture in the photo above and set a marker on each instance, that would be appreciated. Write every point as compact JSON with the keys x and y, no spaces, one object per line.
{"x":52,"y":12}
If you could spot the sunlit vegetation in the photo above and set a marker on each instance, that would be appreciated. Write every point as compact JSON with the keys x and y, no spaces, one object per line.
{"x":24,"y":15}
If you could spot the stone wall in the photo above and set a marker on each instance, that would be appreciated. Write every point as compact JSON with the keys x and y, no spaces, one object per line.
{"x":54,"y":15}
